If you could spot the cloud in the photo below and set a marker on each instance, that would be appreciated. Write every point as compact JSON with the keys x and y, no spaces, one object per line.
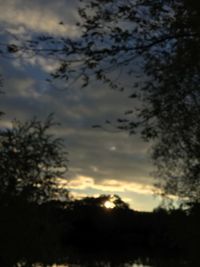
{"x":39,"y":16}
{"x":109,"y":185}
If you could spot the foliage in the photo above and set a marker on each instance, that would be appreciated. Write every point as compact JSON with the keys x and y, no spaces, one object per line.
{"x":30,"y":161}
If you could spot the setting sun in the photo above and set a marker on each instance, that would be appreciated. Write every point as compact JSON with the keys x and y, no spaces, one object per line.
{"x":109,"y":205}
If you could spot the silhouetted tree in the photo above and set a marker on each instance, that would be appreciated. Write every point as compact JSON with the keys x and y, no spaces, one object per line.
{"x":30,"y":161}
{"x":119,"y":203}
{"x":157,"y":43}
{"x":91,"y":201}
{"x":100,"y":201}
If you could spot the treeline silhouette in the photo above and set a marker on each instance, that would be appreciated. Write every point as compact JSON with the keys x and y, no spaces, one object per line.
{"x":45,"y":231}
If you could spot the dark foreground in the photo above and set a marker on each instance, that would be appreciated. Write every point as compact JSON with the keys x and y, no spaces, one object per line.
{"x":87,"y":234}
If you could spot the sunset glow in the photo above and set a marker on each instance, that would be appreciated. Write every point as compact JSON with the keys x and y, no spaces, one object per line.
{"x":109,"y":205}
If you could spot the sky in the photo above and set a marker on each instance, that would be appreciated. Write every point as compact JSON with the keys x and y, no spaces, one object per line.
{"x":100,"y":162}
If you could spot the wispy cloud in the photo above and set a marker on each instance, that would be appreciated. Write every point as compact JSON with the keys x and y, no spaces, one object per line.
{"x":109,"y":185}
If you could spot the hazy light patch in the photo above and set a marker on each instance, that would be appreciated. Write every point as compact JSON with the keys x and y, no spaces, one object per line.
{"x":113,"y":148}
{"x":94,"y":168}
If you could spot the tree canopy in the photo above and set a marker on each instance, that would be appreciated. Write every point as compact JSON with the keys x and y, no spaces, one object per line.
{"x":97,"y":202}
{"x":157,"y":44}
{"x":31,"y":160}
